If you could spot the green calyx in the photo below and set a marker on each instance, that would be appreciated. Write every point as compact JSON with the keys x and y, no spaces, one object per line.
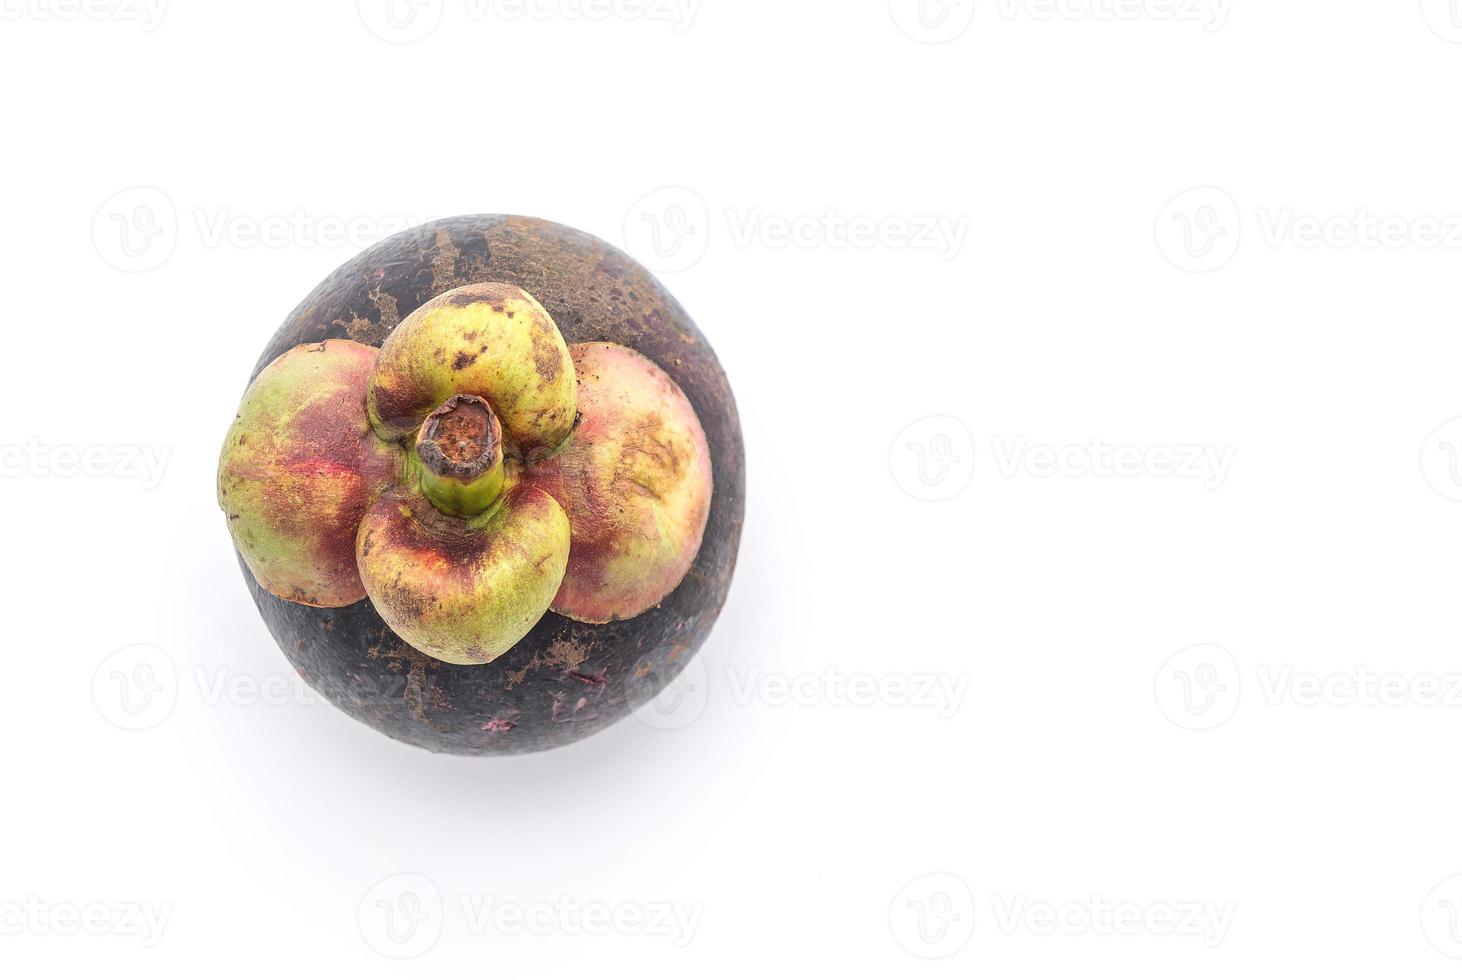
{"x":460,"y":449}
{"x":468,"y":476}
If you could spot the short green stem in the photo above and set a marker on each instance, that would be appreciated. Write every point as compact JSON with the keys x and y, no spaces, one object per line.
{"x":460,"y":446}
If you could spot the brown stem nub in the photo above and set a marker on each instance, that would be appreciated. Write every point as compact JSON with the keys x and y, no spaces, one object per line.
{"x":460,"y":446}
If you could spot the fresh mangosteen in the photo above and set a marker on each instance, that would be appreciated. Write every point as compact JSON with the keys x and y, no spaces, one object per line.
{"x":486,"y":486}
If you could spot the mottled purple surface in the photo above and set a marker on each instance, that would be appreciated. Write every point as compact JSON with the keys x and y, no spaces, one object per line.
{"x":565,"y":680}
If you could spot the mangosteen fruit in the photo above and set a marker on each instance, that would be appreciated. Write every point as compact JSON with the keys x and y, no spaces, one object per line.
{"x":486,"y":486}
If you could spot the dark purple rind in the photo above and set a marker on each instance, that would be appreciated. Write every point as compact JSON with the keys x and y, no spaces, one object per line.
{"x":565,"y":680}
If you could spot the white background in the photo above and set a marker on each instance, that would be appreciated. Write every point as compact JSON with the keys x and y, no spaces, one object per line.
{"x":1101,"y":544}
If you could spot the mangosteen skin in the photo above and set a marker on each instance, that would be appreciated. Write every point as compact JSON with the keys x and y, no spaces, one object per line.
{"x":565,"y":680}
